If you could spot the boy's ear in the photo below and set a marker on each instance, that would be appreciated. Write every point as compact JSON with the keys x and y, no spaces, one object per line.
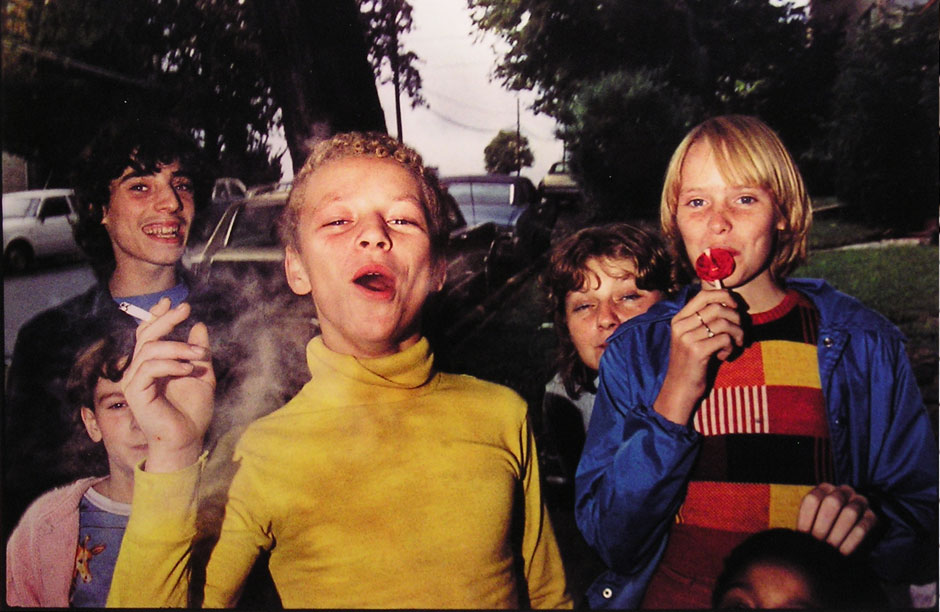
{"x":440,"y":272}
{"x":104,"y":215}
{"x":91,"y":424}
{"x":297,"y":277}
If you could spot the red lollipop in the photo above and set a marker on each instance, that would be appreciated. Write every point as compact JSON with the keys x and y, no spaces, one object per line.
{"x":714,"y":265}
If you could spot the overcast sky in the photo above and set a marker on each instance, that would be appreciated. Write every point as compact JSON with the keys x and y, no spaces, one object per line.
{"x":466,"y":107}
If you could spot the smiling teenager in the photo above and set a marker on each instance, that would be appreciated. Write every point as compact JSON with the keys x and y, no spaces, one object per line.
{"x":763,"y":402}
{"x":139,"y":185}
{"x":383,"y":483}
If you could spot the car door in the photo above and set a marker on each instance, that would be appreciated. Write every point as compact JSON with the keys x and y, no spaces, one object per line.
{"x":54,"y":228}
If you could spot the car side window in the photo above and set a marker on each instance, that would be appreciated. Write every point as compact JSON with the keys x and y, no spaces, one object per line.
{"x":54,"y":207}
{"x":462,"y":193}
{"x":255,"y":226}
{"x":492,"y":194}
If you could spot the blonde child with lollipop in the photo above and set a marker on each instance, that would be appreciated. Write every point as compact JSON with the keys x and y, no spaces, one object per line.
{"x":751,"y":400}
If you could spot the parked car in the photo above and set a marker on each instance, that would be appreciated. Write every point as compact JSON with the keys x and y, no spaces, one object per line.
{"x":559,"y":183}
{"x":511,"y":203}
{"x":225,"y":190}
{"x":37,"y":224}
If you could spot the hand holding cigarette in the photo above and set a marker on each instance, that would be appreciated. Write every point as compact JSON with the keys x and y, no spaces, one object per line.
{"x":170,"y":387}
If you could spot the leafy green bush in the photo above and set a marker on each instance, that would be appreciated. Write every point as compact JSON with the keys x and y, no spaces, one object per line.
{"x":626,"y":126}
{"x":884,"y":120}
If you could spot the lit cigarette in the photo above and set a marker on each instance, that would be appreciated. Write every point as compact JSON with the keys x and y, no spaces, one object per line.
{"x":135,"y":311}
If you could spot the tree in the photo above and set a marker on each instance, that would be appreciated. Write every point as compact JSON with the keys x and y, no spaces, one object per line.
{"x":884,"y":130}
{"x":743,"y":56}
{"x":507,"y":153}
{"x":230,"y":70}
{"x":624,"y":129}
{"x":71,"y":65}
{"x":316,"y":56}
{"x":385,"y":21}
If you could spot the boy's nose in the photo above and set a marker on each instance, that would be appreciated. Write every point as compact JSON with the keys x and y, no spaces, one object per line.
{"x":168,"y":199}
{"x":374,"y":233}
{"x":607,"y":316}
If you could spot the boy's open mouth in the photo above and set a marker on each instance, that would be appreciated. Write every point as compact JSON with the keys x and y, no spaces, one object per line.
{"x":375,"y":280}
{"x":163,"y":231}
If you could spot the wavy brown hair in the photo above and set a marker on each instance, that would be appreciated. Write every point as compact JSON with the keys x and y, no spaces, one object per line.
{"x":368,"y":144}
{"x":567,"y":271}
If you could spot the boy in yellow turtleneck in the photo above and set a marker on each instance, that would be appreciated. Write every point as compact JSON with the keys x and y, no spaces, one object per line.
{"x":382,"y":484}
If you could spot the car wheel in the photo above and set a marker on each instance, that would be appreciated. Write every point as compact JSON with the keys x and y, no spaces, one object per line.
{"x":18,"y":258}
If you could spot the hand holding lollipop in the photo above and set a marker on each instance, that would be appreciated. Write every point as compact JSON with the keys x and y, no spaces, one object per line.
{"x":715,"y":265}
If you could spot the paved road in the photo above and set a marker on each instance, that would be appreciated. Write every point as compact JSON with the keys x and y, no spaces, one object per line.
{"x":26,"y":295}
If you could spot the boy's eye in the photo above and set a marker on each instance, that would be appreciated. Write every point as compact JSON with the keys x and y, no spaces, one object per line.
{"x":695,"y":203}
{"x":183,"y":185}
{"x":401,"y":222}
{"x":138,"y":186}
{"x":117,"y":405}
{"x":629,"y":297}
{"x":747,"y":199}
{"x":581,"y":307}
{"x":336,"y":222}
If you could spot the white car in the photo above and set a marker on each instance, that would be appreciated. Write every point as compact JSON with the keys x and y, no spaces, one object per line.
{"x":37,"y":224}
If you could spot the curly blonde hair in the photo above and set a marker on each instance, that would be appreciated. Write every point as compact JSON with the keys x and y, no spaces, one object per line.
{"x":749,"y":153}
{"x":368,"y":144}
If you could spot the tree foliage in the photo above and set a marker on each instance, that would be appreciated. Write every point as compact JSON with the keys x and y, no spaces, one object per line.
{"x":228,"y":70}
{"x":744,"y":56}
{"x":71,"y":65}
{"x":884,"y":131}
{"x":508,"y":152}
{"x":385,"y":21}
{"x":624,"y":128}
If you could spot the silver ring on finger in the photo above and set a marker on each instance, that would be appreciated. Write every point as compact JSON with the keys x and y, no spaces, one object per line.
{"x":711,"y":334}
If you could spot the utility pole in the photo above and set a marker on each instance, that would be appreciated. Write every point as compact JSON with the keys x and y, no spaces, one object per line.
{"x":394,"y":60}
{"x":518,"y":139}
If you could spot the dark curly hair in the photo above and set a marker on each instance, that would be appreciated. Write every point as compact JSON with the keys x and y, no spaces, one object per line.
{"x":143,"y":146}
{"x":567,"y":272}
{"x":369,"y":144}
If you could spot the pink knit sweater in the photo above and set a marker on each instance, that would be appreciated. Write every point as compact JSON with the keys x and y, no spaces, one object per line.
{"x":41,"y":550}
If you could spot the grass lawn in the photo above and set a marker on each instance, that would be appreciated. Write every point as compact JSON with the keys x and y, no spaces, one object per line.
{"x":901,"y":283}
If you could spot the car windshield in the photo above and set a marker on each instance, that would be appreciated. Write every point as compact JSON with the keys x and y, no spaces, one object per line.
{"x":492,"y":194}
{"x":17,"y":206}
{"x":256,"y":226}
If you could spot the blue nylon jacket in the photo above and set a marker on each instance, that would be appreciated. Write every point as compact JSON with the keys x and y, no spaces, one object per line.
{"x":635,"y":467}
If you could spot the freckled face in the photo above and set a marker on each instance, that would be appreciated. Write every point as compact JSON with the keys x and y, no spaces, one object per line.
{"x":364,"y":255}
{"x":113,"y":423}
{"x":713,"y":213}
{"x":608,"y":298}
{"x":149,"y":215}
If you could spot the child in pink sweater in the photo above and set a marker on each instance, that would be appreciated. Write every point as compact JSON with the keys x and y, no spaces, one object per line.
{"x":63,"y":550}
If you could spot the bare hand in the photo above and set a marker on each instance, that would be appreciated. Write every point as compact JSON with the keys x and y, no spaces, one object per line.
{"x":169,"y":387}
{"x":709,"y":326}
{"x":837,"y":515}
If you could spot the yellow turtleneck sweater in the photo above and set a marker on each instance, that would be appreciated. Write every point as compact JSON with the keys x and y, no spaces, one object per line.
{"x":382,"y":484}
